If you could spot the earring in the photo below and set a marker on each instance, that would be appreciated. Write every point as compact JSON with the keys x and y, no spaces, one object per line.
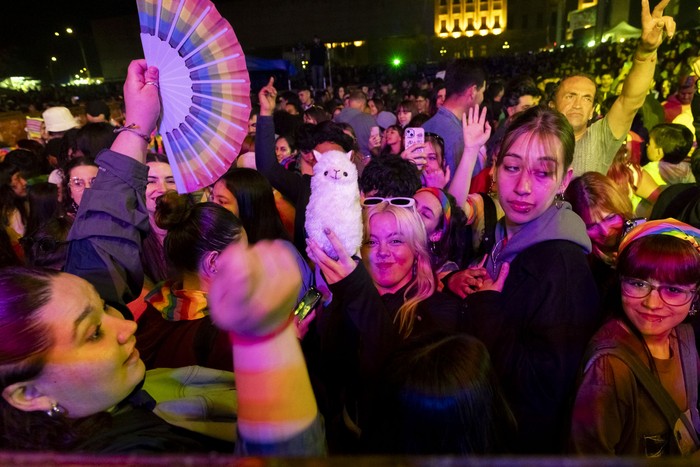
{"x":55,"y":411}
{"x":434,"y":248}
{"x":415,"y":268}
{"x":693,"y":309}
{"x":559,"y":200}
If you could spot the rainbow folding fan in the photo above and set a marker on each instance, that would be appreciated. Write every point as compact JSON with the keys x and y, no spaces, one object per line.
{"x":204,"y":87}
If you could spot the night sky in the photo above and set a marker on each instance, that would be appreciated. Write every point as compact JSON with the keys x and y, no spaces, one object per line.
{"x":27,"y":39}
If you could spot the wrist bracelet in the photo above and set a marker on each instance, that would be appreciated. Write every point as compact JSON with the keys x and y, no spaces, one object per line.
{"x":247,"y":339}
{"x":649,"y":58}
{"x":131,"y":128}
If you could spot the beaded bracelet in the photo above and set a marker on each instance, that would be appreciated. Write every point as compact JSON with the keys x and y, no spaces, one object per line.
{"x":132,"y":129}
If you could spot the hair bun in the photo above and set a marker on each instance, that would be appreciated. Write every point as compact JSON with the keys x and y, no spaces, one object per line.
{"x":172,"y":209}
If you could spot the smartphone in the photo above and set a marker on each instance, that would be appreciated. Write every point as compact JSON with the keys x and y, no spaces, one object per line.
{"x":413,"y":136}
{"x":374,"y":131}
{"x":307,"y":303}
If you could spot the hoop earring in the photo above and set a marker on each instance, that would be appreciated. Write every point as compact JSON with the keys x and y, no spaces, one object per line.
{"x":55,"y":411}
{"x":559,"y":200}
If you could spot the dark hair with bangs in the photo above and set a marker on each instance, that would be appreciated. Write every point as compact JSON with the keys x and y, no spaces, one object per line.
{"x":548,"y":126}
{"x":664,"y":258}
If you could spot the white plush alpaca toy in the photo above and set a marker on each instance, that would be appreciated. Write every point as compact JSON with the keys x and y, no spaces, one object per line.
{"x":335,"y":202}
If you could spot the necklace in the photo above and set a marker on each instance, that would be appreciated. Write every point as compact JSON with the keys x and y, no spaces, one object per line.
{"x":495,"y":253}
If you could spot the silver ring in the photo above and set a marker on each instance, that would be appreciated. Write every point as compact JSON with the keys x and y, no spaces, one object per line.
{"x":152,"y":83}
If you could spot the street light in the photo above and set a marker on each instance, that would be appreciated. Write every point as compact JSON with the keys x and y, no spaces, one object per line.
{"x":52,"y":60}
{"x":70,"y":32}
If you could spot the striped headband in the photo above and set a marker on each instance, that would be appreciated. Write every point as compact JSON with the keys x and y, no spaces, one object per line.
{"x":444,"y":202}
{"x":669,"y":226}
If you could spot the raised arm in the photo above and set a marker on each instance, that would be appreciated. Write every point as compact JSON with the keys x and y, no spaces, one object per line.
{"x":106,"y":236}
{"x":476,"y":130}
{"x":654,"y":26}
{"x":695,"y":104}
{"x":286,"y":182}
{"x":252,"y":297}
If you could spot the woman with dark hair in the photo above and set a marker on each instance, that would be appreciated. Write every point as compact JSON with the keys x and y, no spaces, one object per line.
{"x":375,"y":105}
{"x":442,"y":397}
{"x":315,"y":115}
{"x":405,"y":111}
{"x":176,"y":330}
{"x":45,"y":243}
{"x":638,"y":395}
{"x":286,"y":152}
{"x":43,"y":205}
{"x":70,"y":374}
{"x":13,"y":196}
{"x":392,"y":141}
{"x":92,"y":138}
{"x":247,"y":194}
{"x":449,"y":236}
{"x":160,"y":180}
{"x":536,"y":306}
{"x":79,"y":175}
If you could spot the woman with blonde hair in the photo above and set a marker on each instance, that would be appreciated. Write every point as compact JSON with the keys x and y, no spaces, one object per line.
{"x":379,"y":304}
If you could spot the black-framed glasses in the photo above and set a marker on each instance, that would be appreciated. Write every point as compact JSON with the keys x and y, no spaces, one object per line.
{"x":669,"y":294}
{"x":400,"y":201}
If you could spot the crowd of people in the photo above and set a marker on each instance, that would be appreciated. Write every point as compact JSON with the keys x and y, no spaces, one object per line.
{"x":524,"y":280}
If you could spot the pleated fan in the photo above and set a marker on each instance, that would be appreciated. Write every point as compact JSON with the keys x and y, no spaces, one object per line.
{"x":204,"y":87}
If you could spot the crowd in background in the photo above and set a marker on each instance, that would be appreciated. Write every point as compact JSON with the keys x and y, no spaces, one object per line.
{"x":522,"y":279}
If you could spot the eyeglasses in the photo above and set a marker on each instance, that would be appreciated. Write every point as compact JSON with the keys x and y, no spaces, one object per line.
{"x":670,"y":294}
{"x":81,"y":184}
{"x":398,"y":201}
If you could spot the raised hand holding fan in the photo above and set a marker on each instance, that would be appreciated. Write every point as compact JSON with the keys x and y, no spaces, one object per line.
{"x":204,"y":87}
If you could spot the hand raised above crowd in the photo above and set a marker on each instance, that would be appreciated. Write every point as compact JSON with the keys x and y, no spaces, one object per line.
{"x":476,"y":128}
{"x":255,"y":288}
{"x":655,"y":25}
{"x":268,"y":98}
{"x":142,"y":103}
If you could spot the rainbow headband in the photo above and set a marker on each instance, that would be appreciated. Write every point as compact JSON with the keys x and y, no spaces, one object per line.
{"x":669,"y":226}
{"x":444,"y":202}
